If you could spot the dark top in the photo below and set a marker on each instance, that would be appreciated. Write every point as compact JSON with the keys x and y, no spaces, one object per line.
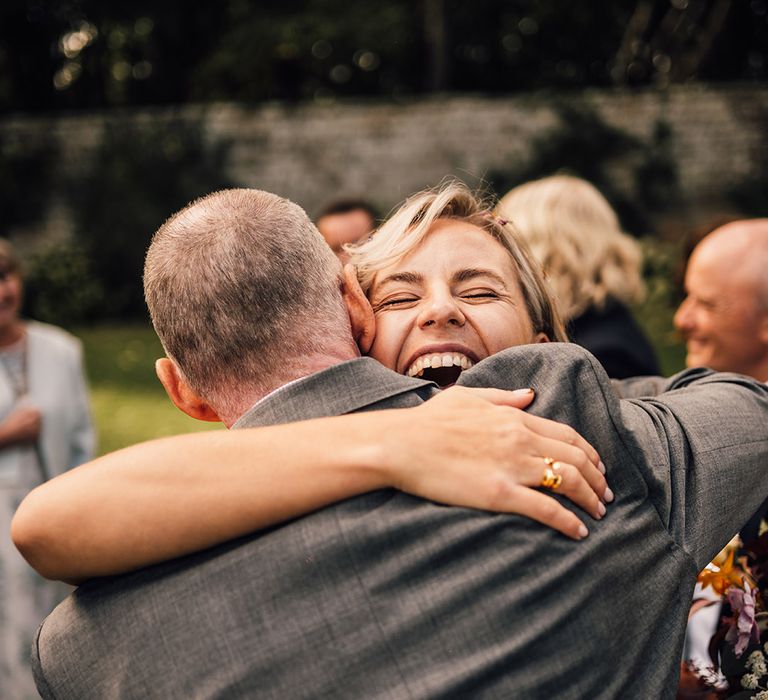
{"x":614,"y":338}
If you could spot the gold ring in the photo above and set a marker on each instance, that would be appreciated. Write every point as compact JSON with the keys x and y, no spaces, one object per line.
{"x":552,"y":463}
{"x":550,"y":480}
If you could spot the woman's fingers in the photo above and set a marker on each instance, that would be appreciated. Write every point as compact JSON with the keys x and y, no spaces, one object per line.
{"x":573,"y":485}
{"x":547,"y":511}
{"x":562,"y":443}
{"x":563,"y":452}
{"x":518,"y":398}
{"x":563,"y":433}
{"x":494,"y":456}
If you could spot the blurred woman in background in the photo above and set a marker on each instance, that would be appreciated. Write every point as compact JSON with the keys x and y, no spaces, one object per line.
{"x":45,"y":429}
{"x":593,"y":267}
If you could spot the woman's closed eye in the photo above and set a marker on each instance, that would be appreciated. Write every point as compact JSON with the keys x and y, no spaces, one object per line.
{"x":395,"y":302}
{"x":480,"y":294}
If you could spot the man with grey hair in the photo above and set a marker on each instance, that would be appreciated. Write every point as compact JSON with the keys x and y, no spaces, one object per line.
{"x":237,"y":271}
{"x":386,"y":595}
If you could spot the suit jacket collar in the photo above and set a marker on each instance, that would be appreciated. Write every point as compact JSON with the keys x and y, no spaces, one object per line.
{"x":343,"y":388}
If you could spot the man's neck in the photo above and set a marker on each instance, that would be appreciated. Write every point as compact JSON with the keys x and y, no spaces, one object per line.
{"x":293,"y":369}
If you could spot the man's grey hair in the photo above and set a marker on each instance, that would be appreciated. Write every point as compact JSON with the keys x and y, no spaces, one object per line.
{"x":242,"y":288}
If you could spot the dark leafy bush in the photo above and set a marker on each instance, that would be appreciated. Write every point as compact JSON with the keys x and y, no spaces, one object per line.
{"x":25,"y":178}
{"x":139,"y":175}
{"x":60,"y":286}
{"x":660,"y":263}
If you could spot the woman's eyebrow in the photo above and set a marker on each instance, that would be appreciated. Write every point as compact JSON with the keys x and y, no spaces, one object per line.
{"x":471,"y":273}
{"x":395,"y":277}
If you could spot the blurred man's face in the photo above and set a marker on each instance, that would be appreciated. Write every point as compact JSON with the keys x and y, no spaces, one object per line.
{"x":721,"y":320}
{"x":349,"y":227}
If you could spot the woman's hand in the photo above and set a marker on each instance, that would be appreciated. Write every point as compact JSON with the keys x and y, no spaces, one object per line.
{"x":21,"y":425}
{"x":476,"y":448}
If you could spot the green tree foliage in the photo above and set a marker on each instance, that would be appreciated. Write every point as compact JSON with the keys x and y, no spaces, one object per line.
{"x":311,"y":50}
{"x":88,"y":53}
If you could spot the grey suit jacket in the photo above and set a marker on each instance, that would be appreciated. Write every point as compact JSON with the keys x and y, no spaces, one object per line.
{"x":389,"y":596}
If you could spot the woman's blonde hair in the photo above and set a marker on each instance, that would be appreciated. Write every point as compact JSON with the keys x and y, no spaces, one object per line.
{"x":575,"y":235}
{"x":411,"y":223}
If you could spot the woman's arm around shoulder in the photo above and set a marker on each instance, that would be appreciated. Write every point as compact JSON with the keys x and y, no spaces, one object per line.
{"x":169,"y":497}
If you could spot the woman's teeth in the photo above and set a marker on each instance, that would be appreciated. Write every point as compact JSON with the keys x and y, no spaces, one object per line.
{"x":442,"y":359}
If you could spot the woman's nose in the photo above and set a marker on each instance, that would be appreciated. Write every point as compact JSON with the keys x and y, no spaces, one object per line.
{"x":441,"y":311}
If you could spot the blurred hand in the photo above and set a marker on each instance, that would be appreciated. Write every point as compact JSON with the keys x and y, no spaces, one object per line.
{"x":21,"y":425}
{"x":477,"y":448}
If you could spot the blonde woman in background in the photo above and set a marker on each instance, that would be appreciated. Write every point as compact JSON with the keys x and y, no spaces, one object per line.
{"x":593,"y":267}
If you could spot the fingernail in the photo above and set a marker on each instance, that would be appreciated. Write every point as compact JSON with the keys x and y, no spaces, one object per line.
{"x":522,"y":392}
{"x":583,"y":532}
{"x":600,"y":509}
{"x":608,"y":495}
{"x":601,"y":467}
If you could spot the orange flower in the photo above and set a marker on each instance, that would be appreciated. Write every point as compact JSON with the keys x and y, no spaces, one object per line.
{"x":727,"y":575}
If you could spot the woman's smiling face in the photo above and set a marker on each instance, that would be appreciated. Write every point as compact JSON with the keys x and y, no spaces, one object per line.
{"x":448,"y":304}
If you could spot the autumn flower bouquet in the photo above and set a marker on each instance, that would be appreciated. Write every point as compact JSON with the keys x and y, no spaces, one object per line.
{"x":739,"y":648}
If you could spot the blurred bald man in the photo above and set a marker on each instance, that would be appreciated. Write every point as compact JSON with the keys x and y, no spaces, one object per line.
{"x":724,"y":317}
{"x":724,"y":320}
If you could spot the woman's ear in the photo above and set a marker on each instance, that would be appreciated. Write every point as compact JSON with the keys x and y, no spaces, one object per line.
{"x":181,"y":394}
{"x":361,"y":316}
{"x":541,"y":337}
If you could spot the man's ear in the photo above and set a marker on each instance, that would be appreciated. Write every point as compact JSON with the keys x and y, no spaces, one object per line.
{"x":182,"y":395}
{"x":361,"y":316}
{"x":541,"y":337}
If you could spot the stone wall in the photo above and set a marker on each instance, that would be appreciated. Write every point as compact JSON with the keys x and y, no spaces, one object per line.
{"x":382,"y":151}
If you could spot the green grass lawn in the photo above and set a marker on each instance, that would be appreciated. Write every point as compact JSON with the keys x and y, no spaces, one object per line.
{"x":129,"y":404}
